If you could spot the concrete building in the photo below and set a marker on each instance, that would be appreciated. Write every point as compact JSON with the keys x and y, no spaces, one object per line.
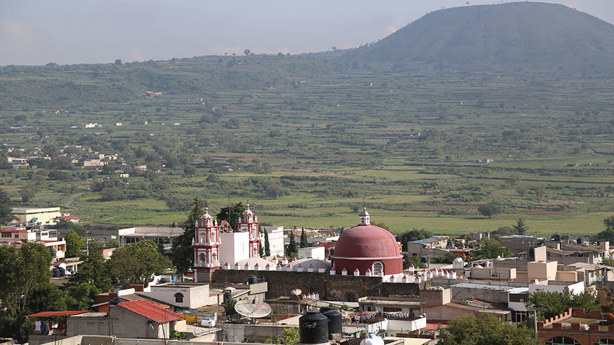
{"x":36,"y":215}
{"x":17,"y":236}
{"x":181,"y":295}
{"x":161,"y":235}
{"x":131,"y":319}
{"x":519,"y":243}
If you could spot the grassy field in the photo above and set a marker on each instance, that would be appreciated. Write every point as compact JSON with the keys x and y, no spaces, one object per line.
{"x":307,"y":142}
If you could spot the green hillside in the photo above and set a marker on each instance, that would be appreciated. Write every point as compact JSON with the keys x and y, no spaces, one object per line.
{"x":521,"y":35}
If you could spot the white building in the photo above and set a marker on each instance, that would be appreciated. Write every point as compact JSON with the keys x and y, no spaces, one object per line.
{"x":312,"y":252}
{"x":161,"y":235}
{"x":234,"y":247}
{"x":37,"y":215}
{"x":276,"y":240}
{"x":180,"y":295}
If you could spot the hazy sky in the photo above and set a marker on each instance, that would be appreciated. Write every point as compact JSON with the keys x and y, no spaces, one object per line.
{"x":36,"y":32}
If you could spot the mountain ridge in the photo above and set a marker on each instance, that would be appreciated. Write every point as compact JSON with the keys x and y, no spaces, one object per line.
{"x":512,"y":34}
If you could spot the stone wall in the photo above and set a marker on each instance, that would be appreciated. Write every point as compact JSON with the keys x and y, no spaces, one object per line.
{"x":336,"y":288}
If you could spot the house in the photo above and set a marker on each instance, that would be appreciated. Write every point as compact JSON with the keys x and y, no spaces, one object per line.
{"x":17,"y":236}
{"x":130,"y":319}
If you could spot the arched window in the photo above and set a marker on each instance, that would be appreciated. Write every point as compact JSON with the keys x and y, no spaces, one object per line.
{"x":202,"y":257}
{"x":562,"y":341}
{"x":605,"y":342}
{"x":350,"y":297}
{"x":214,"y":255}
{"x":378,"y":268}
{"x":178,"y":297}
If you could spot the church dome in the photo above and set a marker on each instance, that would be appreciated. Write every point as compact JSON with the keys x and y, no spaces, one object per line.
{"x":366,"y":241}
{"x":367,"y":247}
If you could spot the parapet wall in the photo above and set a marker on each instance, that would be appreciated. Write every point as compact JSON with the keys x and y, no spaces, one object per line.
{"x":331,"y":287}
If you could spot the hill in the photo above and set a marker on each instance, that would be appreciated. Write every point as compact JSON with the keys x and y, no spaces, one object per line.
{"x":517,"y":35}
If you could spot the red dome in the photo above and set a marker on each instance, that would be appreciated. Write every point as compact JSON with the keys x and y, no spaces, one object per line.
{"x":367,"y":241}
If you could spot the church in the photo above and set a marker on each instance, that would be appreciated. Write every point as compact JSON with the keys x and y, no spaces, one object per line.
{"x":216,"y":243}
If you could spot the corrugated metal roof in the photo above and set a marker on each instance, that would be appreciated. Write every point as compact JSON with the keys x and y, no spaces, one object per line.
{"x":150,"y":311}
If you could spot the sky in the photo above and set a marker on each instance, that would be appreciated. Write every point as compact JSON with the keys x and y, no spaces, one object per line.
{"x":37,"y":32}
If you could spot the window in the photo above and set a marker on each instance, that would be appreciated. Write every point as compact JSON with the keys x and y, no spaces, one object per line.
{"x":202,"y":257}
{"x":378,"y":268}
{"x":178,"y":297}
{"x":604,"y":342}
{"x":562,"y":341}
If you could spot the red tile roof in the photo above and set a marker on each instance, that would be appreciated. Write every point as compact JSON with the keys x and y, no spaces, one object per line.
{"x":151,"y":311}
{"x":59,"y":313}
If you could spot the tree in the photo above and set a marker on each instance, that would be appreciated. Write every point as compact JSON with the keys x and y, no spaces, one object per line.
{"x":485,"y":330}
{"x":80,"y":296}
{"x":609,"y":222}
{"x":229,"y":308}
{"x":246,"y":52}
{"x":292,"y":248}
{"x":413,"y":235}
{"x":135,"y":263}
{"x":46,"y":297}
{"x":549,"y":304}
{"x":267,"y":246}
{"x":5,"y":208}
{"x":489,"y":210}
{"x":304,"y":241}
{"x":27,"y":194}
{"x":290,"y":336}
{"x":93,"y":270}
{"x":20,"y":273}
{"x":520,"y":227}
{"x":183,"y":253}
{"x":235,"y":213}
{"x":74,"y":242}
{"x":490,"y":249}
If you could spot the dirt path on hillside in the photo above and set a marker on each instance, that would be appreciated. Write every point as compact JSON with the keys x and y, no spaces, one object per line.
{"x":72,"y":199}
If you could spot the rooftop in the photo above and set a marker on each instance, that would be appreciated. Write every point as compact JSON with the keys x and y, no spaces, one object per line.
{"x":150,"y":311}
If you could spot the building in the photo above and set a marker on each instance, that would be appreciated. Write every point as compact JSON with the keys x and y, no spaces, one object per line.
{"x":17,"y":236}
{"x":206,"y":247}
{"x":163,"y":236}
{"x":276,"y":240}
{"x":368,"y":250}
{"x":577,"y":327}
{"x":248,"y":222}
{"x":130,"y":319}
{"x":37,"y":216}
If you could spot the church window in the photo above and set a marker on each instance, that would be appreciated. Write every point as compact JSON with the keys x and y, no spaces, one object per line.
{"x":202,"y":257}
{"x":378,"y":268}
{"x":178,"y":297}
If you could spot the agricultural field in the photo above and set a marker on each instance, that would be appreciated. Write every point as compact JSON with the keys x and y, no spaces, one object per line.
{"x":309,"y":142}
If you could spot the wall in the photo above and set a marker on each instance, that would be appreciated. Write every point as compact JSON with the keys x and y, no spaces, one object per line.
{"x":234,"y":247}
{"x":312,"y":252}
{"x":542,"y":270}
{"x":337,"y":287}
{"x":276,"y":240}
{"x":482,"y":294}
{"x":195,"y":296}
{"x":570,"y":276}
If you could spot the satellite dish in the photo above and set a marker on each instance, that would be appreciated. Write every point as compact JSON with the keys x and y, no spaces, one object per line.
{"x":253,"y":309}
{"x":296,"y":292}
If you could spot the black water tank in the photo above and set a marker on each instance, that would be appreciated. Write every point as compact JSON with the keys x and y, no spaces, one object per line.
{"x":313,"y":328}
{"x":335,"y":320}
{"x":227,"y":295}
{"x":252,"y":280}
{"x":580,"y":240}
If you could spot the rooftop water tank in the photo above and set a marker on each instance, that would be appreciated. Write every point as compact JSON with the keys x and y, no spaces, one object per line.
{"x":313,"y":328}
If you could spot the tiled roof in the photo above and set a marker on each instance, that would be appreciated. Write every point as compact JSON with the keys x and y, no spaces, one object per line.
{"x":150,"y":311}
